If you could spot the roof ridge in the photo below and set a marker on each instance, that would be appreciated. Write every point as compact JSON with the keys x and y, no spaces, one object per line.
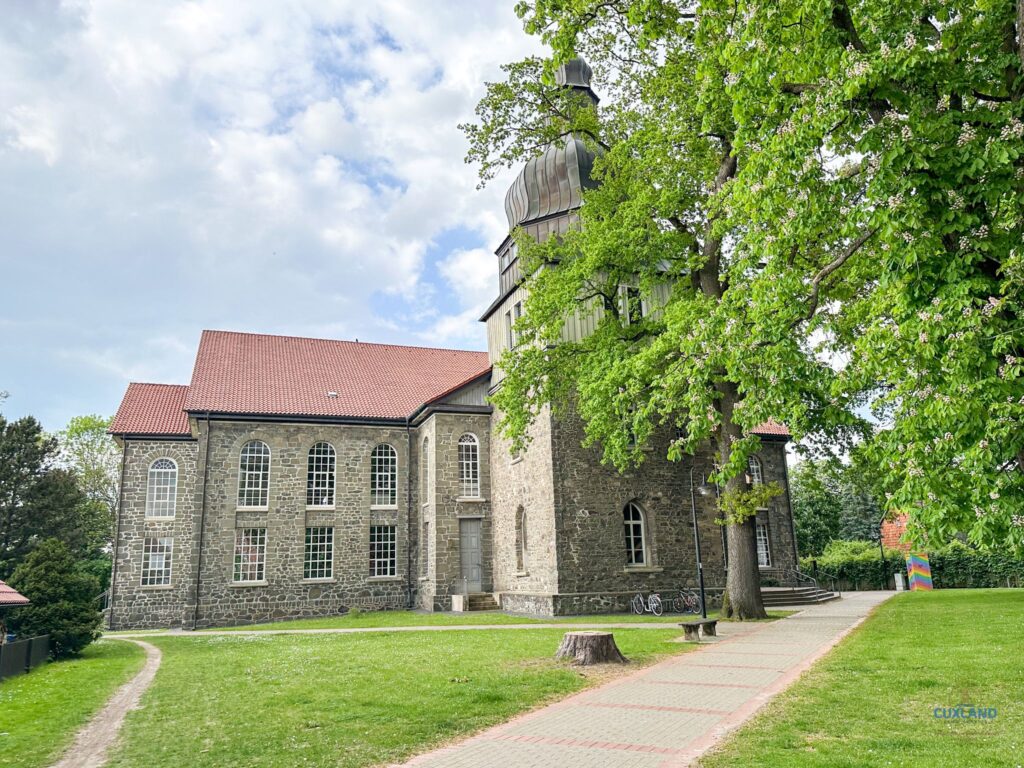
{"x":156,"y":384}
{"x":344,"y":341}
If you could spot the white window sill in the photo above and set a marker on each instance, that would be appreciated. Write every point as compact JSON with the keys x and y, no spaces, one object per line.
{"x":423,"y":578}
{"x":154,"y":519}
{"x":156,"y":587}
{"x":765,"y":567}
{"x":252,"y":509}
{"x":241,"y":584}
{"x":384,"y":578}
{"x":326,"y":580}
{"x":643,"y":569}
{"x":521,"y":574}
{"x":516,"y":460}
{"x":470,"y":499}
{"x":375,"y":507}
{"x":319,"y":507}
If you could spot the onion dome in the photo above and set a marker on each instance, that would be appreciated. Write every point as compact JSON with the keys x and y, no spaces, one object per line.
{"x":552,"y":183}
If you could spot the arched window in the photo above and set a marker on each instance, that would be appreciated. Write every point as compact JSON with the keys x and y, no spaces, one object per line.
{"x":469,"y":466}
{"x":384,"y":476}
{"x":320,"y":476}
{"x":754,"y":470}
{"x":254,"y":474}
{"x":636,"y":541}
{"x":522,"y":547}
{"x":162,"y":488}
{"x":425,"y":472}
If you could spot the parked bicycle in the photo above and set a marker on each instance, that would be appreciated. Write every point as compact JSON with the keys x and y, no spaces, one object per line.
{"x":687,"y":601}
{"x":651,"y":605}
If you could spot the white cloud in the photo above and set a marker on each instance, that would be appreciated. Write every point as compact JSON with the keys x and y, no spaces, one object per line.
{"x":250,"y":165}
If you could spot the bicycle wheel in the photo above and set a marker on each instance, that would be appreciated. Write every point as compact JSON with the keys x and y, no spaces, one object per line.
{"x":656,"y":607}
{"x":638,"y":604}
{"x":696,"y":602}
{"x":678,"y":604}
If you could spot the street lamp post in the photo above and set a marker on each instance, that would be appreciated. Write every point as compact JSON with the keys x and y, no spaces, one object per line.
{"x":704,"y":490}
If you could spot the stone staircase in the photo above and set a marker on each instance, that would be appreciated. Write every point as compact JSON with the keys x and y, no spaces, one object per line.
{"x":481,"y":601}
{"x":809,"y":595}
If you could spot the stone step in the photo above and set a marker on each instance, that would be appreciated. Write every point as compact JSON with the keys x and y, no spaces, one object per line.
{"x":481,"y":602}
{"x":796,"y":596}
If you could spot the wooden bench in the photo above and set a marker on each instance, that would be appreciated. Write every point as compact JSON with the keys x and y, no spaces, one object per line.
{"x":693,"y":629}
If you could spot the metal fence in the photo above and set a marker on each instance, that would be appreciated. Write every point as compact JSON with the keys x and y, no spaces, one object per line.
{"x":19,"y":657}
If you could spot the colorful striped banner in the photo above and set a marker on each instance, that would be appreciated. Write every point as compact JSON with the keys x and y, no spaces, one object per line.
{"x":919,"y":572}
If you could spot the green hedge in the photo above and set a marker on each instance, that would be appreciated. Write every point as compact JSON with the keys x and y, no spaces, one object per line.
{"x":857,"y":566}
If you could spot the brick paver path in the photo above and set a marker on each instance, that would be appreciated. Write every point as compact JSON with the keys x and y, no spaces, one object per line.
{"x":667,"y":715}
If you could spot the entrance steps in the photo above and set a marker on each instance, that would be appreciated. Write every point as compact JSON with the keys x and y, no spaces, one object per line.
{"x":776,"y":596}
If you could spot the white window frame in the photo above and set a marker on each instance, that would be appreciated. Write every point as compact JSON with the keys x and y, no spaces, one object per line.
{"x":321,"y":466}
{"x":157,"y":561}
{"x":469,"y":466}
{"x":162,"y":489}
{"x":247,"y":486}
{"x":250,"y":543}
{"x":318,"y":558}
{"x":383,"y":551}
{"x":755,"y":471}
{"x":510,"y":334}
{"x":425,"y":549}
{"x":635,"y":527}
{"x":764,"y":545}
{"x":384,"y":477}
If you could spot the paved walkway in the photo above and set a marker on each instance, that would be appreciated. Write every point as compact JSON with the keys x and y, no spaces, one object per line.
{"x":667,"y":715}
{"x":89,"y":749}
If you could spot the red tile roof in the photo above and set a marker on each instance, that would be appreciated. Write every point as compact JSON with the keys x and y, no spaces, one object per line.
{"x":772,"y":428}
{"x":8,"y":596}
{"x":289,"y":376}
{"x":152,"y":409}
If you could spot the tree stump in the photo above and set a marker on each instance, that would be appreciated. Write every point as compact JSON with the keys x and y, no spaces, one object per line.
{"x":590,"y":648}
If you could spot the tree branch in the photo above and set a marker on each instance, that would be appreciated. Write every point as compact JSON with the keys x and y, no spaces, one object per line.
{"x":832,"y":266}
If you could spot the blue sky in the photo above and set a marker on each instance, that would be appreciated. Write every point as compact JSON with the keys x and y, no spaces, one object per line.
{"x":262,"y":166}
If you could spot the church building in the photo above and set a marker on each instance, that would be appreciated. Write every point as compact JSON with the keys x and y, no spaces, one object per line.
{"x":297,"y":477}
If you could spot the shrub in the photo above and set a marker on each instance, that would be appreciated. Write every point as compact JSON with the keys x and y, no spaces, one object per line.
{"x":857,"y":565}
{"x":63,"y":599}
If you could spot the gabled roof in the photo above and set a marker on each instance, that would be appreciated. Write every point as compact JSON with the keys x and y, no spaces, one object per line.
{"x":152,"y":409}
{"x":249,"y":373}
{"x":8,"y":596}
{"x":773,"y":429}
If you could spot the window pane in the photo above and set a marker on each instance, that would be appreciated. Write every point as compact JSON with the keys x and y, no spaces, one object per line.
{"x":254,"y":474}
{"x":383,"y":551}
{"x":250,"y":554}
{"x":633,"y":522}
{"x":469,"y":466}
{"x":319,"y":560}
{"x":156,"y":562}
{"x":320,"y":476}
{"x":764,"y":555}
{"x":162,"y":488}
{"x":384,"y":476}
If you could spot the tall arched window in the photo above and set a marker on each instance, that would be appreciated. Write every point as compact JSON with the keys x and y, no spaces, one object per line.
{"x":522,"y":547}
{"x":754,"y":470}
{"x":636,"y":534}
{"x":162,"y":488}
{"x":320,"y":476}
{"x":254,"y":474}
{"x":384,"y":476}
{"x":469,"y":466}
{"x":425,"y":472}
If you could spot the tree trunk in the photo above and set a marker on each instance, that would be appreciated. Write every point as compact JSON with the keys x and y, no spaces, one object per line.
{"x":590,"y":648}
{"x":742,"y":598}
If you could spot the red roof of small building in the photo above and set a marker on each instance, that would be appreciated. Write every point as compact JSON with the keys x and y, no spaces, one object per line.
{"x":152,"y":409}
{"x":290,"y":376}
{"x":9,"y":596}
{"x":772,"y":428}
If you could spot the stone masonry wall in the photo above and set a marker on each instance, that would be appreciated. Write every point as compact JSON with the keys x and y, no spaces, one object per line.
{"x":525,"y":481}
{"x":285,"y":594}
{"x":133,"y":605}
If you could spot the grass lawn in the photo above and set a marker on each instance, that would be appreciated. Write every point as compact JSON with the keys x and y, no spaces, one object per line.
{"x":346,"y":700}
{"x":388,"y":619}
{"x":871,"y":701}
{"x":40,"y":712}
